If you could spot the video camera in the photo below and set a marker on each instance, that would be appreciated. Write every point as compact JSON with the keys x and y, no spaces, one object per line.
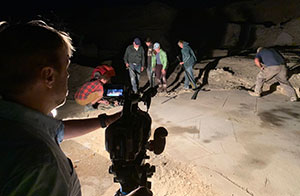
{"x":127,"y":141}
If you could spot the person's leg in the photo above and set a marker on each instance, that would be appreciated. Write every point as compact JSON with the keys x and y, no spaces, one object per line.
{"x":281,"y":77}
{"x":138,"y":75}
{"x":90,"y":99}
{"x":91,"y":102}
{"x":265,"y":75}
{"x":149,"y":72}
{"x":186,"y":81}
{"x":164,"y":81}
{"x":191,"y":74}
{"x":260,"y":79}
{"x":158,"y":75}
{"x":132,"y":75}
{"x":153,"y":76}
{"x":97,"y":96}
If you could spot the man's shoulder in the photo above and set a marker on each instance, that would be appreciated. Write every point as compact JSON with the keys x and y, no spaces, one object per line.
{"x":185,"y":49}
{"x":141,"y":48}
{"x":163,"y":52}
{"x":130,"y":46}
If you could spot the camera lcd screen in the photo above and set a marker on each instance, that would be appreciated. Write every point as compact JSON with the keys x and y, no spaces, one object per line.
{"x":115,"y":92}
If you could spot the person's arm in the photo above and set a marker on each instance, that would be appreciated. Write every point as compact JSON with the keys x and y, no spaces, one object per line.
{"x":258,"y":63}
{"x":164,"y":60}
{"x":75,"y":128}
{"x":143,"y":56}
{"x":185,"y":55}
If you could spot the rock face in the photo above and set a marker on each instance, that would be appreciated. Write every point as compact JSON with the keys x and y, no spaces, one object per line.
{"x":106,"y":31}
{"x":260,"y":35}
{"x":102,"y":33}
{"x":262,"y":11}
{"x":262,"y":23}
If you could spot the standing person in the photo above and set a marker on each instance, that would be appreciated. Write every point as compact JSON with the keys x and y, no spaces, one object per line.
{"x":34,"y":61}
{"x":159,"y":66}
{"x":272,"y":65}
{"x":134,"y":59}
{"x":90,"y":93}
{"x":188,"y":61}
{"x":149,"y":60}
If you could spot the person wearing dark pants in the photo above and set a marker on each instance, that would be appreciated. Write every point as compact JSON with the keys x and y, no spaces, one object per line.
{"x":134,"y":59}
{"x":188,"y":61}
{"x":149,"y":60}
{"x":159,"y":66}
{"x":272,"y":66}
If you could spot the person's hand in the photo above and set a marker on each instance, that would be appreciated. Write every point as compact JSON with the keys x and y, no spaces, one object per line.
{"x":163,"y":71}
{"x":127,"y":65}
{"x":116,"y":103}
{"x":103,"y":101}
{"x":141,"y":191}
{"x":153,"y":69}
{"x":142,"y":68}
{"x":181,"y":63}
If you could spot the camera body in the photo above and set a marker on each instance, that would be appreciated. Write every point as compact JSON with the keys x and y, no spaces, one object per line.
{"x":127,"y":141}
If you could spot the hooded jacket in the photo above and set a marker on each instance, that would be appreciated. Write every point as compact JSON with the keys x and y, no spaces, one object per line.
{"x":188,"y":55}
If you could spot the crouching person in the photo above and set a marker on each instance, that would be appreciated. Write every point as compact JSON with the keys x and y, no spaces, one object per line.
{"x":90,"y":93}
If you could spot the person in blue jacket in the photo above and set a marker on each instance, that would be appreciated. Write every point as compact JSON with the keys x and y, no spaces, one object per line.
{"x":188,"y":61}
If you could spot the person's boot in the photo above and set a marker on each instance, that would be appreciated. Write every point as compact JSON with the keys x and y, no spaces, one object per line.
{"x":293,"y":99}
{"x":95,"y":105}
{"x":165,"y":87}
{"x":159,"y":88}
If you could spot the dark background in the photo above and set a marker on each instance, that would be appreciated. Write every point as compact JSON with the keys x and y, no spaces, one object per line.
{"x":94,"y":23}
{"x":101,"y":30}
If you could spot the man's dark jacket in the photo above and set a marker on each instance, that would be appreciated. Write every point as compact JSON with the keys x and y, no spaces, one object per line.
{"x":134,"y":56}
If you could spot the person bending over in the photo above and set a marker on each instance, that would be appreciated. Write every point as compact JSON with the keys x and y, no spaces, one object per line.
{"x":90,"y":94}
{"x":272,"y":65}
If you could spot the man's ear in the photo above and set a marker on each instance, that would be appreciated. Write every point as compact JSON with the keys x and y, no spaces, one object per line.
{"x":47,"y":76}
